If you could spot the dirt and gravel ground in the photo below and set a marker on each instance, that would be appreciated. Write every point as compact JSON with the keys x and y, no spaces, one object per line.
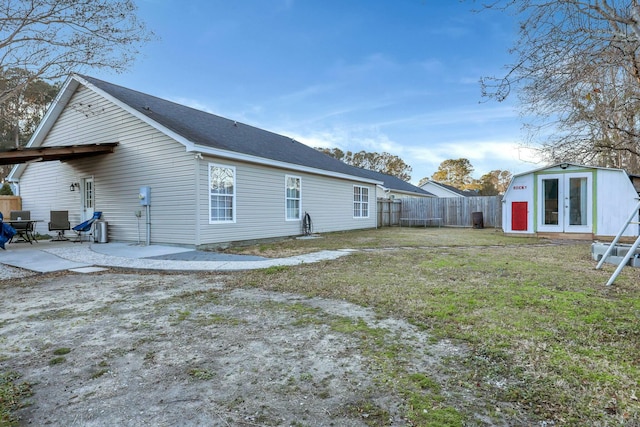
{"x":184,"y":349}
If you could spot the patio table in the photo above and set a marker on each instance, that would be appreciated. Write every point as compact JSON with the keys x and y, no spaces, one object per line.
{"x":24,"y":229}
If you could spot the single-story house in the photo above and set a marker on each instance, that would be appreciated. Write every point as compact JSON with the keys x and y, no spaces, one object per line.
{"x":439,"y":189}
{"x":570,"y":200}
{"x":208,"y":180}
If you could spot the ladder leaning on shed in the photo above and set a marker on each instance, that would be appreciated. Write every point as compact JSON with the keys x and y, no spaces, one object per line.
{"x":631,"y":251}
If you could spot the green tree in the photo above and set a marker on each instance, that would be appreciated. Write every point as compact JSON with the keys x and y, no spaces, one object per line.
{"x":494,"y":182}
{"x":5,"y":190}
{"x":384,"y":163}
{"x":456,"y":173}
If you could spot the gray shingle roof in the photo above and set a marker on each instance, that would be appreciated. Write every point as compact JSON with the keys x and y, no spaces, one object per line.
{"x":217,"y":132}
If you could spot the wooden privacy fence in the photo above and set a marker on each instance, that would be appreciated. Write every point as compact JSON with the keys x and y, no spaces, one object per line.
{"x":10,"y":203}
{"x":389,"y":212}
{"x":452,"y":211}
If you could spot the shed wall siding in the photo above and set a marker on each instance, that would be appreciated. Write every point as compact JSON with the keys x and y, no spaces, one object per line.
{"x":520,"y":190}
{"x":615,"y":199}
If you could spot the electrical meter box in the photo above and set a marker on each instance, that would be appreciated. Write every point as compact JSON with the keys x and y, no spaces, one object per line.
{"x":145,"y":196}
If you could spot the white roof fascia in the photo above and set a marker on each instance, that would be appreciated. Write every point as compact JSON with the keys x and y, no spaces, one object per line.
{"x":59,"y":103}
{"x":52,"y":114}
{"x":234,"y":155}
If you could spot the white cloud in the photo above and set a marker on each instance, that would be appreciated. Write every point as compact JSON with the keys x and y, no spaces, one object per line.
{"x":485,"y":156}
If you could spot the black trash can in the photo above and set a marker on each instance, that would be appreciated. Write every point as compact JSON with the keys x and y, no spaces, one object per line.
{"x":477,"y":220}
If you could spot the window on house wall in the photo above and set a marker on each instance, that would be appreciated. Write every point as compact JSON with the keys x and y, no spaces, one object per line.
{"x":222,"y":193}
{"x":360,"y":202}
{"x":293,"y":197}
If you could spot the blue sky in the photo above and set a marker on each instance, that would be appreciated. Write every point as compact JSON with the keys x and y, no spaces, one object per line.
{"x":396,"y":76}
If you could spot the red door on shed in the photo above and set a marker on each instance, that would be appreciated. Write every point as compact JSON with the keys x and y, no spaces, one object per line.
{"x":519,"y":216}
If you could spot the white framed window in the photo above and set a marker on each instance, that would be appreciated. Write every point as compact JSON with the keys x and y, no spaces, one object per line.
{"x":293,"y":198}
{"x":222,"y":193}
{"x":360,"y":202}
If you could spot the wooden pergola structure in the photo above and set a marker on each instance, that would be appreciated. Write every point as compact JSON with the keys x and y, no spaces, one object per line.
{"x":45,"y":154}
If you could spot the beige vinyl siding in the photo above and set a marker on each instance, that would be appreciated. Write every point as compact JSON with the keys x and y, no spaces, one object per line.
{"x":261,"y":204}
{"x":48,"y":190}
{"x":144,"y":157}
{"x":329,"y":202}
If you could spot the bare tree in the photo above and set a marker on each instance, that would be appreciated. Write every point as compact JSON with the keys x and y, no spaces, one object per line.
{"x":577,"y":71}
{"x":49,"y":39}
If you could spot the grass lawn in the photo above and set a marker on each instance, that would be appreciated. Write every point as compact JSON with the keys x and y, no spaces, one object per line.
{"x":548,"y":341}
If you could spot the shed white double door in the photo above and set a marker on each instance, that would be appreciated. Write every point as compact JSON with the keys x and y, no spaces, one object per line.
{"x":565,"y":203}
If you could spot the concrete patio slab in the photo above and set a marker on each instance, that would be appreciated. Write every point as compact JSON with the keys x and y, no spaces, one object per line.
{"x":48,"y":256}
{"x":38,"y":260}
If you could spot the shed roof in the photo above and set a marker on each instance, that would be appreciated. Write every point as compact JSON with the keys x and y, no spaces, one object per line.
{"x":565,"y":165}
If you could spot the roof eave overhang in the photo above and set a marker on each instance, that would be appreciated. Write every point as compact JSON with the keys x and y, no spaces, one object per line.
{"x":232,"y":155}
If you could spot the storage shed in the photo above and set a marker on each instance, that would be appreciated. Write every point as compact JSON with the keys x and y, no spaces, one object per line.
{"x":571,"y":201}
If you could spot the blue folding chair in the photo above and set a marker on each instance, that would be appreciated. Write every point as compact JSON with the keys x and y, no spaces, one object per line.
{"x":85,"y":227}
{"x":6,"y":232}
